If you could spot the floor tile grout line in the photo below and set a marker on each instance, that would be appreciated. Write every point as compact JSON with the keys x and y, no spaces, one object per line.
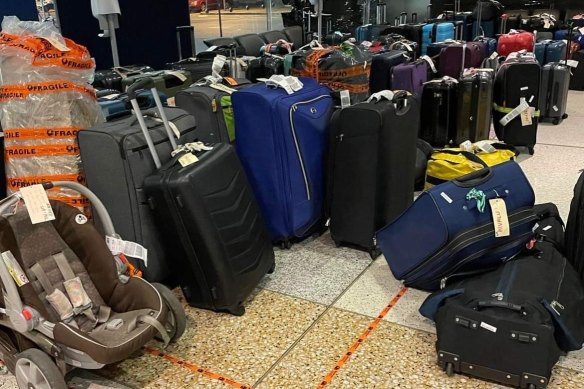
{"x":555,"y":145}
{"x":312,"y":325}
{"x":362,"y":338}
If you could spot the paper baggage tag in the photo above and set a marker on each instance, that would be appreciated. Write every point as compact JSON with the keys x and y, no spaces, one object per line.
{"x":188,"y":159}
{"x":500,"y":218}
{"x":571,"y":63}
{"x":217,"y":67}
{"x":223,"y":88}
{"x":555,"y":108}
{"x":14,"y":269}
{"x":110,"y":97}
{"x":37,"y":204}
{"x":345,"y":99}
{"x":494,"y":55}
{"x":526,"y":118}
{"x":129,"y":249}
{"x":581,"y":30}
{"x":177,"y":74}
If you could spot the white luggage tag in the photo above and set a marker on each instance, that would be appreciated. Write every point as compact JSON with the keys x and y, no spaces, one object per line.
{"x":500,"y":218}
{"x":516,"y":112}
{"x":37,"y":204}
{"x":177,"y":74}
{"x":345,"y":98}
{"x":130,"y":249}
{"x":217,"y":67}
{"x":173,"y":127}
{"x":384,"y":94}
{"x":430,"y":63}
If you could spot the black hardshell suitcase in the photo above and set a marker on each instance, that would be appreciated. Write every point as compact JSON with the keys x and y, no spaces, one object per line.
{"x":510,"y":325}
{"x":516,"y":79}
{"x":381,"y":65}
{"x":209,"y":221}
{"x":575,"y":229}
{"x":204,"y":103}
{"x":577,"y":79}
{"x":475,"y":99}
{"x":553,"y":96}
{"x":264,"y":67}
{"x":112,"y":78}
{"x":439,"y":112}
{"x":115,"y":162}
{"x":373,"y":145}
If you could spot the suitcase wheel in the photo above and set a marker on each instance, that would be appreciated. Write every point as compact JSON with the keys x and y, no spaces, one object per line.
{"x":285,"y":244}
{"x":374,"y":253}
{"x":449,"y":369}
{"x":238,"y":310}
{"x":556,"y":121}
{"x":531,"y":150}
{"x":272,"y":268}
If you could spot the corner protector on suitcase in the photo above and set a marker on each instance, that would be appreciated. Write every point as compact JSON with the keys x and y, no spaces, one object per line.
{"x":445,"y":358}
{"x":531,"y":381}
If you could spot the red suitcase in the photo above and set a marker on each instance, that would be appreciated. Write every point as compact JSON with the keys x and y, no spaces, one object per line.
{"x":515,"y":41}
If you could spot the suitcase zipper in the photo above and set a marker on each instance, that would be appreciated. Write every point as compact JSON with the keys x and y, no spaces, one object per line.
{"x":462,"y":240}
{"x":293,"y":109}
{"x":555,"y":305}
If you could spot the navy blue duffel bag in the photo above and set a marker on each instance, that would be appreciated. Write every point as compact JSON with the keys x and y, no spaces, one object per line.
{"x":449,"y":229}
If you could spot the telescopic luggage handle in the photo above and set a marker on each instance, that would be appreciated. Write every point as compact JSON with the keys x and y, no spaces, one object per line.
{"x":148,"y":83}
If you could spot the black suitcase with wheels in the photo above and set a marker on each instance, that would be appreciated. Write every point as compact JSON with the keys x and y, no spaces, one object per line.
{"x":517,"y":79}
{"x":553,"y":97}
{"x":439,"y":112}
{"x":510,"y":325}
{"x":371,"y":168}
{"x":474,"y":107}
{"x":209,"y":221}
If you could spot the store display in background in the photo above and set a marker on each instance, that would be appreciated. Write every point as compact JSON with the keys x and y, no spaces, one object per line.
{"x":46,"y":101}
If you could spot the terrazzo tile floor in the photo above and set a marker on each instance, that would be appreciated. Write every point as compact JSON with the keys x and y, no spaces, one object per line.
{"x":303,"y":319}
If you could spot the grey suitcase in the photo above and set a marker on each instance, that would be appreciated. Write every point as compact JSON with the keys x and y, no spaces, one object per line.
{"x":553,"y":96}
{"x":116,"y":160}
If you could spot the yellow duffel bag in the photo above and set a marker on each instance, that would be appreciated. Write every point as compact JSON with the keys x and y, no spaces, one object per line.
{"x":449,"y":164}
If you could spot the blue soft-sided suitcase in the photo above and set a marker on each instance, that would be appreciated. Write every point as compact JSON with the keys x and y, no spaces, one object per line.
{"x":490,"y":44}
{"x":436,"y":32}
{"x":120,"y":105}
{"x":443,"y":233}
{"x":550,"y":51}
{"x":282,"y":140}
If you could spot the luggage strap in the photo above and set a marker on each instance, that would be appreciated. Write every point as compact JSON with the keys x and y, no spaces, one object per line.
{"x":146,"y":319}
{"x":507,"y":110}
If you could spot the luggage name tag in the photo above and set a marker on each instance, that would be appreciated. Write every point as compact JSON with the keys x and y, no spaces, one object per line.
{"x":345,"y":99}
{"x":37,"y":204}
{"x":494,"y":55}
{"x":56,"y":44}
{"x":526,"y":118}
{"x":217,"y":67}
{"x":222,"y":88}
{"x":515,"y":112}
{"x":130,"y":249}
{"x":571,"y":63}
{"x":500,"y":218}
{"x":188,"y":159}
{"x":14,"y":269}
{"x":177,"y":74}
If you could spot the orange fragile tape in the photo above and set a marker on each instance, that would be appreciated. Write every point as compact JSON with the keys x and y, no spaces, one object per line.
{"x":11,"y":152}
{"x":357,"y":70}
{"x":41,"y":133}
{"x":16,"y":183}
{"x":364,"y":335}
{"x":353,"y":88}
{"x":22,"y":91}
{"x":74,"y":201}
{"x":193,"y":367}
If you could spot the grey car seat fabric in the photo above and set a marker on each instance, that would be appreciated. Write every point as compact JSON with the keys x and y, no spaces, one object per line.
{"x":251,"y":44}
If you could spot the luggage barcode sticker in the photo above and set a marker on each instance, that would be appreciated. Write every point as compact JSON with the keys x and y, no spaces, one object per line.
{"x":488,"y":327}
{"x":547,"y":228}
{"x":446,"y":197}
{"x":37,"y":204}
{"x":130,"y":249}
{"x":500,"y":218}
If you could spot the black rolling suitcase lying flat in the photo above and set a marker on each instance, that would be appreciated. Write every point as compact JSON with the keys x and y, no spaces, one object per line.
{"x":511,"y":325}
{"x":371,"y":168}
{"x":209,"y":221}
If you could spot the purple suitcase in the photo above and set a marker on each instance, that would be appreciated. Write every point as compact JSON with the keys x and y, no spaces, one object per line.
{"x":452,"y":58}
{"x":410,"y":76}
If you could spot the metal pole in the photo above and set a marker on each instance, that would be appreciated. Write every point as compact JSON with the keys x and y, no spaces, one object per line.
{"x":112,"y":31}
{"x":269,"y":13}
{"x":319,"y":16}
{"x":220,"y":23}
{"x":57,"y":20}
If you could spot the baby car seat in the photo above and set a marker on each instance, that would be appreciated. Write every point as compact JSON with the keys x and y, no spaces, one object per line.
{"x":65,"y":302}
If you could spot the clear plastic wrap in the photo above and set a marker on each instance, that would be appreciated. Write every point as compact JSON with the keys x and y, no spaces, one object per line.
{"x":45,"y":99}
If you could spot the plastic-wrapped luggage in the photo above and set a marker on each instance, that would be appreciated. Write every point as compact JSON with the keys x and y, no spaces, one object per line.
{"x":346,"y":67}
{"x":45,"y":101}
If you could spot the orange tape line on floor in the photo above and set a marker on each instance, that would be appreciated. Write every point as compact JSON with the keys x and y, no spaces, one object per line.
{"x":364,"y":335}
{"x":198,"y":369}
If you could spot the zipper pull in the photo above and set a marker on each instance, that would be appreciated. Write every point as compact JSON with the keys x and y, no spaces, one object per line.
{"x":214,"y":105}
{"x":294,"y":108}
{"x":555,"y":305}
{"x":341,"y":136}
{"x":443,"y":282}
{"x":498,"y":296}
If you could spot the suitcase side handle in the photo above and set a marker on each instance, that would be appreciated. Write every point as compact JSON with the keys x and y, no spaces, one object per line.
{"x":500,"y":304}
{"x":148,"y":83}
